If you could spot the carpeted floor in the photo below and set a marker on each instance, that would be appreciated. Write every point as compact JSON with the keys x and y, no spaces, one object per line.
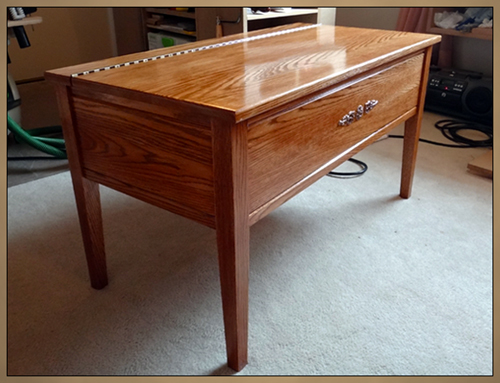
{"x":345,"y":279}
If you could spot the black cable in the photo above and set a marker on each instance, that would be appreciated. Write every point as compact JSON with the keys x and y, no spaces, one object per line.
{"x":362,"y":165}
{"x":450,"y":129}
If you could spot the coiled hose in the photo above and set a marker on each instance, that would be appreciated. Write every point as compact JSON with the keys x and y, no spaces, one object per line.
{"x":53,"y":146}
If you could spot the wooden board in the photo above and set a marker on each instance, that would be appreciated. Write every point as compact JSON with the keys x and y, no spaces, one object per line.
{"x":482,"y":165}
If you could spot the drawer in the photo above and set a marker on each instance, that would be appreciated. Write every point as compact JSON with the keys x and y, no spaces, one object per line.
{"x":287,"y":147}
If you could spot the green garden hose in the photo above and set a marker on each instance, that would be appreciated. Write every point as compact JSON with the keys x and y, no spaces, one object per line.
{"x":53,"y":146}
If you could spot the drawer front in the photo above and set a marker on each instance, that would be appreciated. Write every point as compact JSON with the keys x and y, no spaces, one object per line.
{"x":287,"y":147}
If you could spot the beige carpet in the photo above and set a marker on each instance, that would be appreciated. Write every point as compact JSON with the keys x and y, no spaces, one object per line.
{"x":346,"y":279}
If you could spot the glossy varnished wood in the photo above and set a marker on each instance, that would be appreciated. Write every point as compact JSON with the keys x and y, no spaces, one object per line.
{"x":412,"y":134}
{"x":224,"y":136}
{"x":171,"y":109}
{"x":322,"y":170}
{"x":285,"y":148}
{"x":233,"y":235}
{"x":86,"y":195}
{"x":139,"y":153}
{"x":250,"y":78}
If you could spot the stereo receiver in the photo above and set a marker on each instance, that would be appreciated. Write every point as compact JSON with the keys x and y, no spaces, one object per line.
{"x":462,"y":94}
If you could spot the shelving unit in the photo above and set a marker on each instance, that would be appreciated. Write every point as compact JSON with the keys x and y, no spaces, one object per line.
{"x":188,"y":14}
{"x":483,"y":164}
{"x":164,"y":19}
{"x":252,"y":22}
{"x":287,"y":13}
{"x":477,"y":33}
{"x":202,"y":21}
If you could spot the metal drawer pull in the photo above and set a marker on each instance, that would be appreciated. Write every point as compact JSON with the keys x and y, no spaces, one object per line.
{"x":369,"y":105}
{"x":349,"y":118}
{"x":359,"y":112}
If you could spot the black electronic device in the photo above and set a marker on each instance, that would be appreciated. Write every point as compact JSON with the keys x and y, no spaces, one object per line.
{"x":462,"y":94}
{"x":18,"y":13}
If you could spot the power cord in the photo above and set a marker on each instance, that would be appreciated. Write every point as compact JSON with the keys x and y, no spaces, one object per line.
{"x":450,"y":129}
{"x":361,"y":164}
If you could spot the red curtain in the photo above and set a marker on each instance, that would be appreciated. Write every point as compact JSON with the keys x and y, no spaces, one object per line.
{"x":415,"y":20}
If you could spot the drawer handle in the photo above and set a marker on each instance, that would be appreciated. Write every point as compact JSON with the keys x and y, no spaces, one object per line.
{"x":359,"y":112}
{"x":348,"y":118}
{"x":369,"y":105}
{"x":353,"y":115}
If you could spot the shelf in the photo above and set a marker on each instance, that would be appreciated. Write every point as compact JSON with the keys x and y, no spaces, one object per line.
{"x":478,"y":33}
{"x":169,"y":12}
{"x":23,"y":22}
{"x":288,"y":13}
{"x":475,"y":33}
{"x":173,"y":29}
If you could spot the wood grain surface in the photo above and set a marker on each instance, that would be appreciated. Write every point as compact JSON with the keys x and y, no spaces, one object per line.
{"x":321,"y":171}
{"x":250,"y":78}
{"x":233,"y":236}
{"x":87,"y":195}
{"x":285,"y":148}
{"x":148,"y":156}
{"x":412,"y":132}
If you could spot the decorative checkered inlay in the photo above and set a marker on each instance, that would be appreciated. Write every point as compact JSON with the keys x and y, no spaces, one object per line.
{"x":212,"y":46}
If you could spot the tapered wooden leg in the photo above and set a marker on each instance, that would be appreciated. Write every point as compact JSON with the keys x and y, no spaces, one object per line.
{"x":89,"y":212}
{"x":233,"y":236}
{"x":410,"y":146}
{"x":233,"y":245}
{"x":86,"y":194}
{"x":412,"y":132}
